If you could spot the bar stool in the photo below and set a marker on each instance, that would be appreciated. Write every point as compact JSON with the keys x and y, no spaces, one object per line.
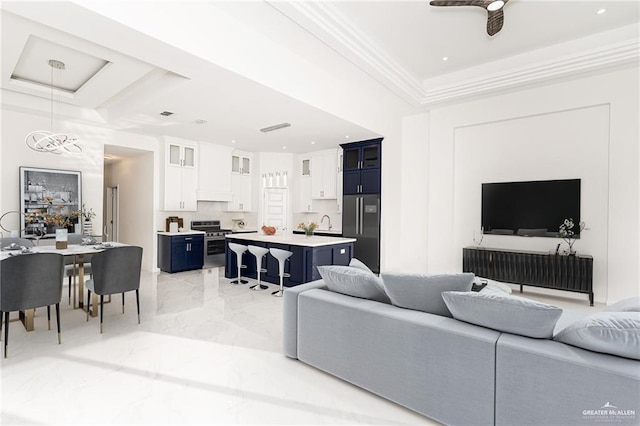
{"x":239,"y":250}
{"x":259,"y":253}
{"x":281,"y":256}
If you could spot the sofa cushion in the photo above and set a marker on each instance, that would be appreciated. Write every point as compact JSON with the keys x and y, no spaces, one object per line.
{"x":615,"y":333}
{"x":631,"y":304}
{"x":504,"y":312}
{"x":353,"y":282}
{"x":423,"y":292}
{"x":355,"y":263}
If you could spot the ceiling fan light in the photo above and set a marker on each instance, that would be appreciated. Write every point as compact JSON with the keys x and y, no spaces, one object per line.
{"x":496,"y":5}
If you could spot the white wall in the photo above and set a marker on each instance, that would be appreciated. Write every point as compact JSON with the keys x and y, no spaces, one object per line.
{"x":557,"y":145}
{"x":134,"y":177}
{"x":532,"y":134}
{"x":14,"y":153}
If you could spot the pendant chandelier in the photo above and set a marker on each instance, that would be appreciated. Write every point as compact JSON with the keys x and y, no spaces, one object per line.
{"x":49,"y":141}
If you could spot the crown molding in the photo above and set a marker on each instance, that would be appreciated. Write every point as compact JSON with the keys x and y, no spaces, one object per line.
{"x":502,"y":74}
{"x":328,"y":24}
{"x":323,"y":20}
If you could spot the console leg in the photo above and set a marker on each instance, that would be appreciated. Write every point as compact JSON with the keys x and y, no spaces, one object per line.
{"x":520,"y":288}
{"x":590,"y":299}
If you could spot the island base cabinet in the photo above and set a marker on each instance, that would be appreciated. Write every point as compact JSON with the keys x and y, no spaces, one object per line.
{"x":301,"y":266}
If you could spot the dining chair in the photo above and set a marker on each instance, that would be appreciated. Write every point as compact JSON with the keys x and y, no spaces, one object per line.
{"x":7,"y":241}
{"x":69,"y":270}
{"x":115,"y":270}
{"x":29,"y":281}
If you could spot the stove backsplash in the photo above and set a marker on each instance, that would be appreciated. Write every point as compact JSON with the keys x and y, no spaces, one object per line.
{"x":211,"y":210}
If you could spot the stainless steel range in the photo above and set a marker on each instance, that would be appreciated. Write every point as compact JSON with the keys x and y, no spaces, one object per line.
{"x":213,"y":241}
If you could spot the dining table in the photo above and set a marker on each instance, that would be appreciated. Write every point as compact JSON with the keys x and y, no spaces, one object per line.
{"x":77,"y":252}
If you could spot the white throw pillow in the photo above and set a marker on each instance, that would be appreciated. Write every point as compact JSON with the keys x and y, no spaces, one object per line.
{"x":353,"y":282}
{"x":504,"y":312}
{"x":615,"y":333}
{"x":631,"y":304}
{"x":422,"y":292}
{"x":355,"y":263}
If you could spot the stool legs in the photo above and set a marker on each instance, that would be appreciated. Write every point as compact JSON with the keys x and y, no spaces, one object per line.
{"x":278,"y":293}
{"x":239,"y":280}
{"x":259,"y":286}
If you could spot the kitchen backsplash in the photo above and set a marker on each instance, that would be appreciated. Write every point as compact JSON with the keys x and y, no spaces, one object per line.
{"x":211,"y":210}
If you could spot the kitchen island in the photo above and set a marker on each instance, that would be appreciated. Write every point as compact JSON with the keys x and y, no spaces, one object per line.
{"x":308,"y":252}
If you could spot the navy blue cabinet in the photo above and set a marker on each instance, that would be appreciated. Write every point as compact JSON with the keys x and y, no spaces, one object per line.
{"x":301,"y":266}
{"x":361,"y":167}
{"x":180,"y":252}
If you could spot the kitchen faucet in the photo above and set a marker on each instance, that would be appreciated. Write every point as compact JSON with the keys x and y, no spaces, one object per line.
{"x":321,"y":220}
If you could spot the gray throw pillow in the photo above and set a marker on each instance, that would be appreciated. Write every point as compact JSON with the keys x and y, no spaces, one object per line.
{"x":504,"y":312}
{"x":355,"y":263}
{"x":615,"y":333}
{"x":422,"y":292}
{"x":353,"y":282}
{"x":631,"y":304}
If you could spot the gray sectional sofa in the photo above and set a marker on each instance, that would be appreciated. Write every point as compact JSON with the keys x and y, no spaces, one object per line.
{"x":454,"y":372}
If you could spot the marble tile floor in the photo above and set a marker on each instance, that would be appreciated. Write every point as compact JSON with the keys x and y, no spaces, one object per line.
{"x":206,"y":352}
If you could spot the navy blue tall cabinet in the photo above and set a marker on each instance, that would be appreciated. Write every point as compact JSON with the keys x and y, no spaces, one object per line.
{"x":361,"y":167}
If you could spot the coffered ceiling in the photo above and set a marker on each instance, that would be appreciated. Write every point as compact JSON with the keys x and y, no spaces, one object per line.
{"x":400,"y":44}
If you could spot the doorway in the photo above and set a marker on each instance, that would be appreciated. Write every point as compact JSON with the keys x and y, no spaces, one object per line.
{"x":112,"y":213}
{"x":276,"y":206}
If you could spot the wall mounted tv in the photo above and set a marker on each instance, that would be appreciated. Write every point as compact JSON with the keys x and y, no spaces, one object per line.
{"x":532,"y":209}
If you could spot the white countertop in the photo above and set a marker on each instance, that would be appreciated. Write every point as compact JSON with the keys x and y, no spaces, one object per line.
{"x":292,"y":239}
{"x":189,"y":232}
{"x":323,"y":231}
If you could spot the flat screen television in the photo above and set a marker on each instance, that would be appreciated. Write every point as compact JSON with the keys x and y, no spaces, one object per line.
{"x":534,"y":208}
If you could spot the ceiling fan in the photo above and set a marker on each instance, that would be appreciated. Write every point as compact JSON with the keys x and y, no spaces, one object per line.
{"x":495,"y":17}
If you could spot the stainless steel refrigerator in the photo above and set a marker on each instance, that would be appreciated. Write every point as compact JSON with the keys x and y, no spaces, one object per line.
{"x":361,"y":220}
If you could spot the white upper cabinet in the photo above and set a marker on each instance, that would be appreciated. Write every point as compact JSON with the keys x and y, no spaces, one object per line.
{"x":241,"y":162}
{"x":214,"y":172}
{"x":241,"y":182}
{"x":180,"y":175}
{"x":304,"y":202}
{"x":324,"y":173}
{"x":242,"y":194}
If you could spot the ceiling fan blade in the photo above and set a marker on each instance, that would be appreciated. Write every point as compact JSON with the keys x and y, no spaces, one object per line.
{"x":481,"y":3}
{"x":495,"y":20}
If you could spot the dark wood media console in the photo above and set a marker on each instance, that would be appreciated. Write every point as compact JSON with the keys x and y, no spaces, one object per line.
{"x":537,"y":269}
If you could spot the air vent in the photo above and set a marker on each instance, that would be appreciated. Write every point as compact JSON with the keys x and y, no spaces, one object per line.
{"x":276,"y":127}
{"x":200,"y":121}
{"x":166,"y":113}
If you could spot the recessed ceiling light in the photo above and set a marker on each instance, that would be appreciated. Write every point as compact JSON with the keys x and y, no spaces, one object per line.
{"x":346,"y":137}
{"x":233,"y":141}
{"x":496,"y":5}
{"x":601,"y":11}
{"x":166,"y":113}
{"x":313,"y":142}
{"x":445,"y":58}
{"x":200,"y":121}
{"x":284,"y":147}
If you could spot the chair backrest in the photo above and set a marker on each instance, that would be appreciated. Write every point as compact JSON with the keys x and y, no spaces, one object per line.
{"x":74,"y":239}
{"x":30,"y":280}
{"x":117,"y":269}
{"x":6,"y":241}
